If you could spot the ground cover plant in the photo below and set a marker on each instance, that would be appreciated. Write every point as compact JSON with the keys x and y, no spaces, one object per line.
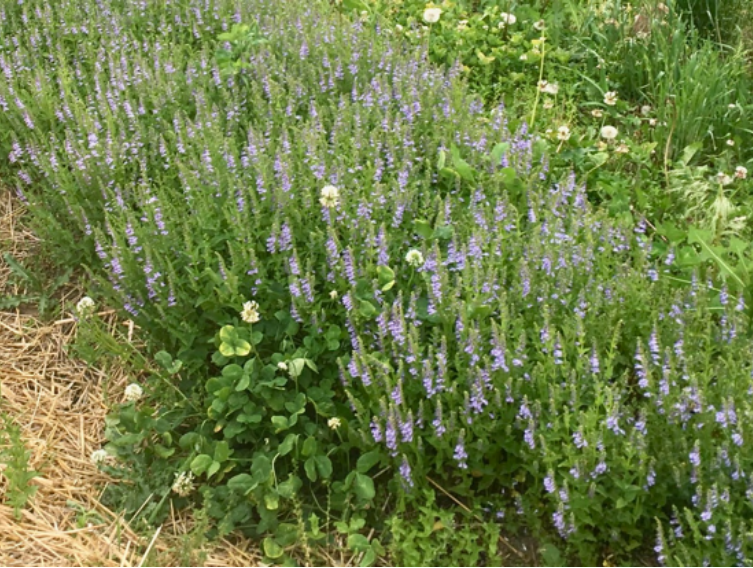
{"x":361,"y":282}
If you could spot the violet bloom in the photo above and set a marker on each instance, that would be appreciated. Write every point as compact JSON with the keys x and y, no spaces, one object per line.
{"x":460,"y":454}
{"x":405,"y":472}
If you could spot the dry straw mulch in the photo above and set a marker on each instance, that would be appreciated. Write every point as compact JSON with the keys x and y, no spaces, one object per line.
{"x":60,"y":406}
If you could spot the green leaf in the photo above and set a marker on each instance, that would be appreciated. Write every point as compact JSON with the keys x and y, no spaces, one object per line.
{"x":261,"y":467}
{"x":694,"y":236}
{"x":288,"y":444}
{"x":498,"y":151}
{"x":201,"y":463}
{"x":272,"y":549}
{"x":213,"y":468}
{"x":323,"y":466}
{"x":369,"y":558}
{"x":358,"y":542}
{"x":222,"y":451}
{"x":309,"y":447}
{"x":442,"y":160}
{"x":309,"y":467}
{"x":288,"y":488}
{"x":363,"y":486}
{"x":257,"y":337}
{"x":280,"y":423}
{"x":243,"y":383}
{"x":295,"y":367}
{"x":367,"y":309}
{"x":243,"y":483}
{"x":367,"y":461}
{"x":422,"y":228}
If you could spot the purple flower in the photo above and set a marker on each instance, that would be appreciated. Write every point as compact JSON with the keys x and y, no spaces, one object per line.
{"x":405,"y":472}
{"x":460,"y":455}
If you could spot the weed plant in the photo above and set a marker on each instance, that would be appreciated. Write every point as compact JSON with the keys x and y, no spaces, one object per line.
{"x":360,"y":277}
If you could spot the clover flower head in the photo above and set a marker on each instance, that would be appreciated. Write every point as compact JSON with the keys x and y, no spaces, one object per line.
{"x":414,"y":258}
{"x":741,"y":172}
{"x":622,"y":148}
{"x":610,"y":98}
{"x":85,"y":306}
{"x":133,"y":392}
{"x":99,"y":457}
{"x":724,"y":178}
{"x":431,"y":15}
{"x":250,"y":312}
{"x":330,"y":196}
{"x":609,"y":132}
{"x":563,"y":133}
{"x":282,"y":366}
{"x":334,"y":423}
{"x":183,"y":484}
{"x":506,"y":19}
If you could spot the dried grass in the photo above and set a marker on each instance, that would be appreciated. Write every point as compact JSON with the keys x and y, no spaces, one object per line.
{"x":60,"y":406}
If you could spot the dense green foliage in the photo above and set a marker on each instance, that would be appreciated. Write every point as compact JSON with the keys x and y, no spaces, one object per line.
{"x":358,"y":275}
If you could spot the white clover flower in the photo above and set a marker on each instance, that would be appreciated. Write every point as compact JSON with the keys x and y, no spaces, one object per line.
{"x":652,"y":122}
{"x":610,"y":98}
{"x":524,"y":57}
{"x":551,"y":88}
{"x":548,"y":105}
{"x":431,"y":15}
{"x":645,"y":110}
{"x":330,"y":196}
{"x":563,"y":133}
{"x":506,"y":19}
{"x":85,"y":307}
{"x":282,"y":366}
{"x":730,"y":142}
{"x":250,"y":312}
{"x":597,"y":113}
{"x":414,"y":258}
{"x":609,"y":132}
{"x":723,"y":178}
{"x":99,"y":457}
{"x":333,"y":294}
{"x":741,"y":172}
{"x":539,"y":26}
{"x":731,"y":105}
{"x":334,"y":423}
{"x":622,"y":148}
{"x":183,"y":484}
{"x":133,"y":392}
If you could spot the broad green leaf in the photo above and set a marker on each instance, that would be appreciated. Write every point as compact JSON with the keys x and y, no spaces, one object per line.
{"x":272,"y":549}
{"x":201,"y":463}
{"x":422,"y":228}
{"x":222,"y":451}
{"x":367,"y":309}
{"x":243,"y":483}
{"x":309,"y":447}
{"x":358,"y":542}
{"x":280,"y":423}
{"x":363,"y":486}
{"x":367,"y":461}
{"x":288,"y":444}
{"x":498,"y":151}
{"x":323,"y":466}
{"x":309,"y":467}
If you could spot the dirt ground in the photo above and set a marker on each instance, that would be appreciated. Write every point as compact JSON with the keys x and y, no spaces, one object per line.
{"x":59,"y":404}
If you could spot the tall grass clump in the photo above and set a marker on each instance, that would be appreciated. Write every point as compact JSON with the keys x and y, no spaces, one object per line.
{"x":699,"y":88}
{"x":355,"y":263}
